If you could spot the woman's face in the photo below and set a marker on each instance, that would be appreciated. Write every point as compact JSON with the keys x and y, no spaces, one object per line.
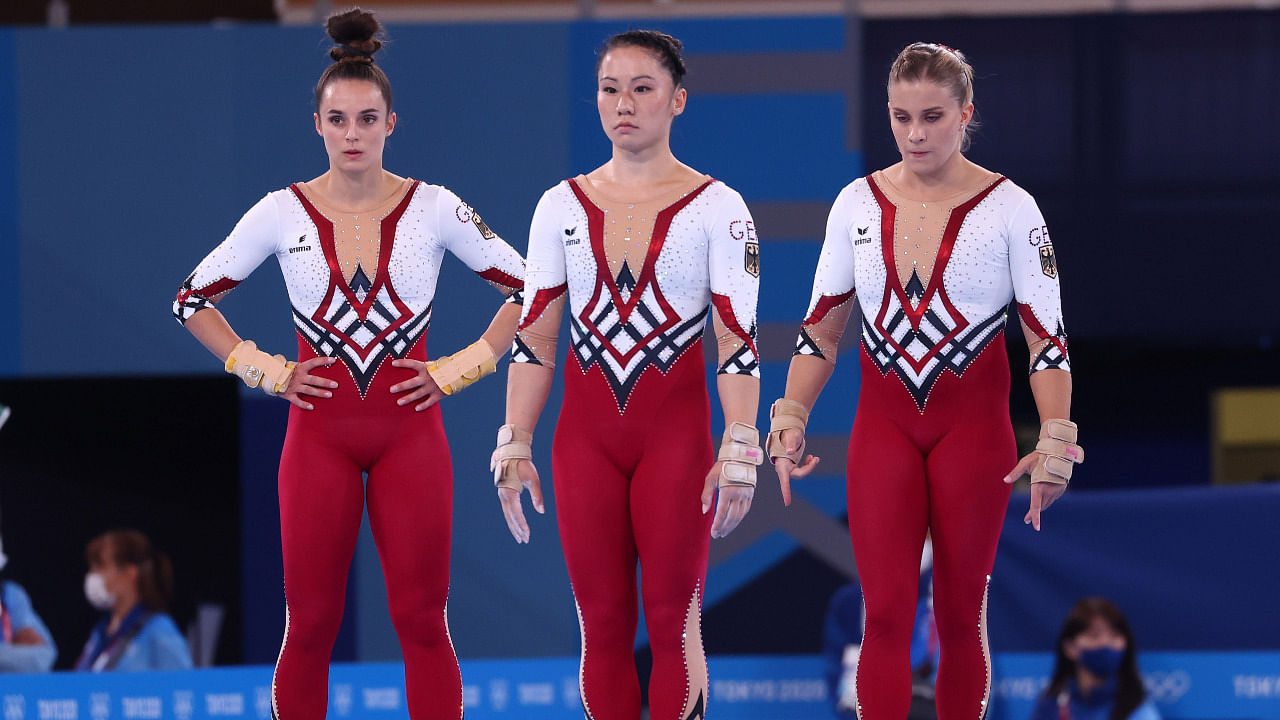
{"x":928,"y":124}
{"x":637,"y":98}
{"x":115,"y":578}
{"x":1099,"y":634}
{"x":354,"y":122}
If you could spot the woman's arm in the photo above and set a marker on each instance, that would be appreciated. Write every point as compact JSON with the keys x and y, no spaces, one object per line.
{"x":532,"y":368}
{"x":733,"y":272}
{"x":251,"y":242}
{"x":471,"y":240}
{"x":1033,"y":267}
{"x":830,"y":306}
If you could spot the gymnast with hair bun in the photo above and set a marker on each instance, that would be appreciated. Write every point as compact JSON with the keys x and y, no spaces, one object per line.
{"x":360,"y":249}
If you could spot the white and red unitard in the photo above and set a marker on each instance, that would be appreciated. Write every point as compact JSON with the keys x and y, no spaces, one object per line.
{"x":361,"y":287}
{"x":932,"y":437}
{"x":632,"y":445}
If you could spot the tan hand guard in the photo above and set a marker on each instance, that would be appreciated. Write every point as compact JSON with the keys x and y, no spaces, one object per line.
{"x":514,"y":445}
{"x":786,"y":415}
{"x":740,"y":453}
{"x":1061,"y":453}
{"x":455,"y":372}
{"x":258,"y":369}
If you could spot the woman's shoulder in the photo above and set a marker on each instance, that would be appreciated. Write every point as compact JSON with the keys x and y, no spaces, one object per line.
{"x":160,"y":623}
{"x":719,"y":190}
{"x":1006,"y":185}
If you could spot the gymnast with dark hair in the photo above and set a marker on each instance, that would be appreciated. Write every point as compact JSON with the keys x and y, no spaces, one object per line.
{"x":640,"y":253}
{"x":360,"y":249}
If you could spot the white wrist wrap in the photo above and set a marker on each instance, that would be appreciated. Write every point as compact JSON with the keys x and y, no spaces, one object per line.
{"x":514,"y":445}
{"x":739,"y":455}
{"x":258,"y":369}
{"x":786,"y":415}
{"x":1059,"y":452}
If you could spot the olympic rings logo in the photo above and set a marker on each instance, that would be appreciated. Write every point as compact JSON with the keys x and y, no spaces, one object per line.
{"x":1167,"y":687}
{"x":15,"y":707}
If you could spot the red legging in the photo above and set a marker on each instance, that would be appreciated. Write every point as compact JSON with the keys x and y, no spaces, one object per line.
{"x":910,"y":472}
{"x":410,"y":496}
{"x":628,"y":489}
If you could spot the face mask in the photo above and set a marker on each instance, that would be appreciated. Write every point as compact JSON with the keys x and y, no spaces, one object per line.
{"x":1102,"y":661}
{"x":95,"y":591}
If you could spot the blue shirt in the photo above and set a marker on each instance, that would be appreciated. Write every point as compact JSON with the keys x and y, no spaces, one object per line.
{"x":20,"y":615}
{"x":157,"y":645}
{"x":1096,"y":706}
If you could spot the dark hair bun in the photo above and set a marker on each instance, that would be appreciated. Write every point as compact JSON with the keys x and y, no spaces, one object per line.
{"x":356,"y":32}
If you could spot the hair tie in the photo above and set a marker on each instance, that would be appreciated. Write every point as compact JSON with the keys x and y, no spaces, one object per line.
{"x":351,"y":53}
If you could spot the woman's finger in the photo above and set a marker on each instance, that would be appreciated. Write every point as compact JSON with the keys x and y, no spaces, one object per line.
{"x":806,"y":467}
{"x":313,"y":391}
{"x":514,"y":514}
{"x":528,"y":475}
{"x":1023,"y":467}
{"x":1033,"y":513}
{"x":294,"y":399}
{"x":306,"y":366}
{"x":722,"y":512}
{"x":413,"y":396}
{"x":411,"y":383}
{"x":432,"y":399}
{"x":709,"y":488}
{"x":784,"y":467}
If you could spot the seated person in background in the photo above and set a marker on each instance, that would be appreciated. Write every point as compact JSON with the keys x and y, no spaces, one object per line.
{"x":25,"y":643}
{"x":131,"y":583}
{"x":842,"y":642}
{"x":1095,"y":675}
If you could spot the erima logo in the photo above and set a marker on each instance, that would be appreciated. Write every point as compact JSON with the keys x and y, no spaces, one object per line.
{"x":300,"y":248}
{"x":569,"y":239}
{"x":861,"y":240}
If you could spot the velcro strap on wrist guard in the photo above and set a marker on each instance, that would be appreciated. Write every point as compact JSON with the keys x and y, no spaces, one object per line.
{"x":258,"y":369}
{"x":514,"y":444}
{"x":786,"y":415}
{"x":741,"y":443}
{"x":455,"y":372}
{"x":740,"y":453}
{"x":1059,"y":452}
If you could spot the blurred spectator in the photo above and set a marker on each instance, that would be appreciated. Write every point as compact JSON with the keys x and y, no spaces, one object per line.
{"x":1095,"y":674}
{"x":131,"y":583}
{"x":842,"y":643}
{"x":25,"y":643}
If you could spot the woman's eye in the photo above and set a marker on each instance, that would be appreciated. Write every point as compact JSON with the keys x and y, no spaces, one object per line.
{"x":369,"y":119}
{"x":932,"y":118}
{"x":335,"y":120}
{"x":643,"y":88}
{"x":608,"y":90}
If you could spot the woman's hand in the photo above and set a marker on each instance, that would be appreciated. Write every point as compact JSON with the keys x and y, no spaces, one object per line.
{"x":1043,"y":494}
{"x":731,"y":507}
{"x":786,"y":469}
{"x":512,"y":510}
{"x":302,"y":382}
{"x":423,"y":386}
